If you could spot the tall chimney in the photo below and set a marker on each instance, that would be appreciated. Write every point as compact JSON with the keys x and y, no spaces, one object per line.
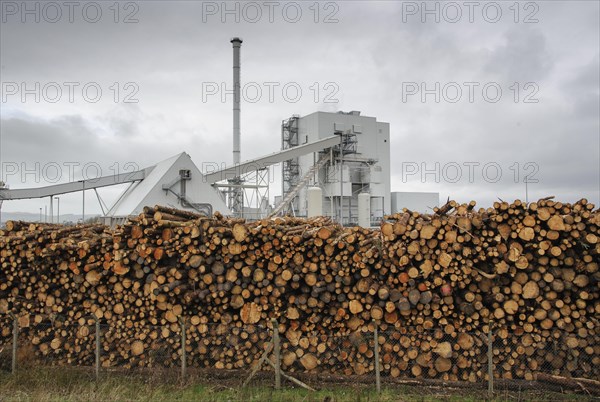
{"x":237,"y":44}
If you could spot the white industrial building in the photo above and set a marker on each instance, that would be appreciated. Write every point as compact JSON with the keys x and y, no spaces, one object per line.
{"x":359,"y":164}
{"x":315,"y":149}
{"x":175,"y":182}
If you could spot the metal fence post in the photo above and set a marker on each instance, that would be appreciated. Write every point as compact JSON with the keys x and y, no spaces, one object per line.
{"x":183,"y":355}
{"x":490,"y":363}
{"x":376,"y":346}
{"x":277,"y":353}
{"x":97,"y":325}
{"x":14,"y":343}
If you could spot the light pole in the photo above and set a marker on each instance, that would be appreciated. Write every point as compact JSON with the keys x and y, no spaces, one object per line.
{"x":2,"y":186}
{"x":83,"y":201}
{"x":40,"y":214}
{"x":57,"y":209}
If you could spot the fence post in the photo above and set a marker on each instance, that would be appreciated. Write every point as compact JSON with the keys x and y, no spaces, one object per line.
{"x":490,"y":363}
{"x":376,"y":346}
{"x":97,"y":325}
{"x":14,"y":343}
{"x":183,"y":355}
{"x":277,"y":353}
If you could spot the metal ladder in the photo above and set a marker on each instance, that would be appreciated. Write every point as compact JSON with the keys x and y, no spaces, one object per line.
{"x":301,"y":183}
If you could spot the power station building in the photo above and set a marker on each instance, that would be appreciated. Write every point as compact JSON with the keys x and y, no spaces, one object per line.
{"x":350,"y":179}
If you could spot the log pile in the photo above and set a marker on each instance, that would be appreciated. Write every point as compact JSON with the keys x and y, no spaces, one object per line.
{"x":433,"y":284}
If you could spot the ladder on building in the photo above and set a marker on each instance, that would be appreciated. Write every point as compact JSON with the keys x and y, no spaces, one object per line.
{"x":289,"y":196}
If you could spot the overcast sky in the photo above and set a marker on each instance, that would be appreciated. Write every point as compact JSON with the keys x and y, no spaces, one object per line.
{"x":432,"y":70}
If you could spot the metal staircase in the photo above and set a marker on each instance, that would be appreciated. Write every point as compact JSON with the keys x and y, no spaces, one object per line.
{"x":289,"y":196}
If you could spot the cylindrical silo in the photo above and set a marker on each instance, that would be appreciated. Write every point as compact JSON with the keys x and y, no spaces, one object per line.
{"x":364,"y":210}
{"x":315,"y":201}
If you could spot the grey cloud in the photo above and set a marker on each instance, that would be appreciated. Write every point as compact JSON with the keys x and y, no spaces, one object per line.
{"x":123,"y":120}
{"x":523,"y":57}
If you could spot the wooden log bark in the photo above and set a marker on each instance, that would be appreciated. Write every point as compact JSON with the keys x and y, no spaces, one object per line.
{"x":434,"y":284}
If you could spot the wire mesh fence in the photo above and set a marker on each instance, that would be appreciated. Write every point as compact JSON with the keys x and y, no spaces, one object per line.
{"x":222,"y":346}
{"x":434,"y":354}
{"x":369,"y":354}
{"x":525,"y":355}
{"x":55,"y":342}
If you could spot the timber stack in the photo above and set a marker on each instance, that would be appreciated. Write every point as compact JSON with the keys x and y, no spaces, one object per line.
{"x":434,"y":284}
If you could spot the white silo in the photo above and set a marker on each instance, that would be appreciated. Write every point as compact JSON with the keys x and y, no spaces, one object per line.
{"x":315,"y":201}
{"x":364,"y":210}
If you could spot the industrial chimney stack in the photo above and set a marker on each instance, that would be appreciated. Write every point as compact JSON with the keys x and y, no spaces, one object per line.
{"x":236,"y":192}
{"x":237,"y":44}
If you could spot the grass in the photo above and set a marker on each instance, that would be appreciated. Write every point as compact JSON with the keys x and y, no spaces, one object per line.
{"x":75,"y":385}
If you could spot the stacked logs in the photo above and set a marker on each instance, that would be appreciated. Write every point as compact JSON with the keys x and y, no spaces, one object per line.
{"x":435,"y":285}
{"x":527,"y":272}
{"x":45,"y":273}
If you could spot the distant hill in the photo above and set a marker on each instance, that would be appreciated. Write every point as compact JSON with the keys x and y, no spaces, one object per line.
{"x":31,"y":217}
